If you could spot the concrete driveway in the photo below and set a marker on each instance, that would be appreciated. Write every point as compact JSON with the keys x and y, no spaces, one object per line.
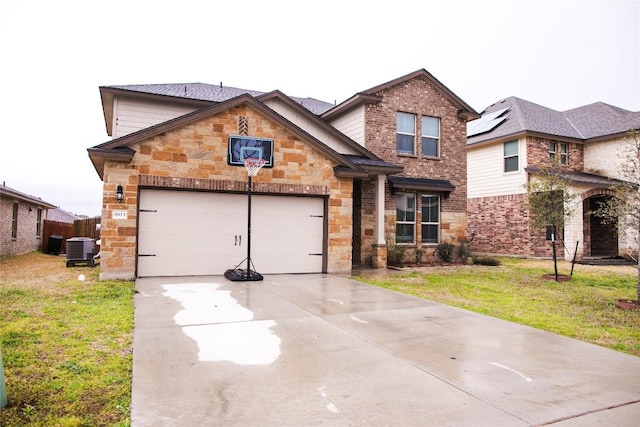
{"x":300,"y":350}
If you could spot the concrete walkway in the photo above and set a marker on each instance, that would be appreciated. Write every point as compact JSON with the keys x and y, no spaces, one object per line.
{"x":301,"y":350}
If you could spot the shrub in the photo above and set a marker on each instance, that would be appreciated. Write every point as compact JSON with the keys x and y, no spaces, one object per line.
{"x":395,"y":255}
{"x":463,"y":252}
{"x":486,"y":261}
{"x":418,"y":252}
{"x":445,"y":251}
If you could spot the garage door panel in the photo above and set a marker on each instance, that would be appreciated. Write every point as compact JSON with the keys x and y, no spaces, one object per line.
{"x":197,"y":233}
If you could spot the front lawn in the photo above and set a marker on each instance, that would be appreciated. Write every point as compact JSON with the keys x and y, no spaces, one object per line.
{"x":583,"y":308}
{"x":66,"y":344}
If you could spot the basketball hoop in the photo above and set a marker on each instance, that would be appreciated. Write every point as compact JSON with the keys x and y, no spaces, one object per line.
{"x":254,"y":165}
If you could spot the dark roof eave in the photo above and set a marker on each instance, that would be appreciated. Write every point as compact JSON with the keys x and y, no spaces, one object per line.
{"x":99,"y":155}
{"x":417,"y":184}
{"x":381,"y":170}
{"x":525,"y":133}
{"x":455,"y":99}
{"x":344,"y":172}
{"x":318,"y":122}
{"x":353,"y":102}
{"x":14,"y":194}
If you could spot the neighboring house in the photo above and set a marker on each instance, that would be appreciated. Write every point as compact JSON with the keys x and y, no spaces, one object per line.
{"x":60,"y":215}
{"x":331,"y":198}
{"x":21,"y":219}
{"x":506,"y":149}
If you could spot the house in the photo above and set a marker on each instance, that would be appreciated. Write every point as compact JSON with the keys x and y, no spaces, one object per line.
{"x":61,"y":215}
{"x":176,"y":204}
{"x":21,"y":220}
{"x":506,"y":149}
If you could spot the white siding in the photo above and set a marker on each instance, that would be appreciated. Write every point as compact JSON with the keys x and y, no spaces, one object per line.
{"x":352,"y":125}
{"x":130,"y":115}
{"x":606,"y":157}
{"x":309,"y":127}
{"x":485,"y":172}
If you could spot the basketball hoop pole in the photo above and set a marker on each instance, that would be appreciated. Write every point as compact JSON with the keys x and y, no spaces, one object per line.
{"x":248,"y":272}
{"x":237,"y":274}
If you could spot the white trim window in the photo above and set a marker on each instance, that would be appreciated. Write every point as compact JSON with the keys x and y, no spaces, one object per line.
{"x":405,"y":217}
{"x":430,"y":219}
{"x":405,"y":133}
{"x":430,"y":136}
{"x":511,"y":156}
{"x":559,"y":150}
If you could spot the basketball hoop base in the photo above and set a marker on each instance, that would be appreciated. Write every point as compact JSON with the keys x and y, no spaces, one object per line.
{"x":240,"y":275}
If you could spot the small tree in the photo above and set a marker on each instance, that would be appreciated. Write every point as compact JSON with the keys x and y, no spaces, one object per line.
{"x":550,"y":201}
{"x":624,"y":208}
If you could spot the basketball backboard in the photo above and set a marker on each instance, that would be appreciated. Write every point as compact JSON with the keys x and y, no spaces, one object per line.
{"x":243,"y":147}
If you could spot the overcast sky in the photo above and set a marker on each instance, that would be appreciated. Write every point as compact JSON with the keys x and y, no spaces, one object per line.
{"x":55,"y":54}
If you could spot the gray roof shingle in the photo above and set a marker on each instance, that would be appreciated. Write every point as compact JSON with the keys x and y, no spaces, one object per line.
{"x":215,"y":93}
{"x":586,"y":122}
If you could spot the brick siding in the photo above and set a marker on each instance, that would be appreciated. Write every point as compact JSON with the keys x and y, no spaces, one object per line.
{"x":26,"y":239}
{"x":501,"y":225}
{"x":419,"y":97}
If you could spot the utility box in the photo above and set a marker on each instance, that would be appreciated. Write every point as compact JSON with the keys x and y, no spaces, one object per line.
{"x":80,"y":251}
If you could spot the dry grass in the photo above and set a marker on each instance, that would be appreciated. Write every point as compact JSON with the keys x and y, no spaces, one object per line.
{"x":66,"y":344}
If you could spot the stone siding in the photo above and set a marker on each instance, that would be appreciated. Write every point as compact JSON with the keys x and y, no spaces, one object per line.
{"x":195,"y":157}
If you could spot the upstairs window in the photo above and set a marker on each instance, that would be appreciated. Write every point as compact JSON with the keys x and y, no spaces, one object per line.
{"x":511,"y":156}
{"x":430,"y":136}
{"x":405,"y":217}
{"x":14,"y":221}
{"x":559,"y":152}
{"x":405,"y":133}
{"x":430,"y":219}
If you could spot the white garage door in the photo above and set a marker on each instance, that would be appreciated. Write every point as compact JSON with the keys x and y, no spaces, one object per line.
{"x":193,"y":233}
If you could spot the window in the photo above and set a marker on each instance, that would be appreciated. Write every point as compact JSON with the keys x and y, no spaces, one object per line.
{"x":511,"y":156}
{"x":559,"y":151}
{"x":405,"y":133}
{"x":14,"y":221}
{"x":430,"y":136}
{"x":405,"y":217}
{"x":430,"y":219}
{"x":39,"y":222}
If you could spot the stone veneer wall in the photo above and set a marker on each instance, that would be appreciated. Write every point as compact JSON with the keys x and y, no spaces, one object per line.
{"x":195,"y":157}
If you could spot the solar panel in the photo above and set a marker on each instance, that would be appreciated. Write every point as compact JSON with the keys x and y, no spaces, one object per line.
{"x":487,"y":123}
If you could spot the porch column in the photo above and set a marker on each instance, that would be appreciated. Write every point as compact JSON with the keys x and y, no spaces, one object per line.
{"x":379,"y":258}
{"x":574,"y":231}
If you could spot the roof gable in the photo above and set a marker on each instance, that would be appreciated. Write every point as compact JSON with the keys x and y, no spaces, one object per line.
{"x":373,"y":95}
{"x":120,"y":149}
{"x":196,"y":94}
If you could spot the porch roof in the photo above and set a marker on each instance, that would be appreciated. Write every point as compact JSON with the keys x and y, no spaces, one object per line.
{"x":421,"y":184}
